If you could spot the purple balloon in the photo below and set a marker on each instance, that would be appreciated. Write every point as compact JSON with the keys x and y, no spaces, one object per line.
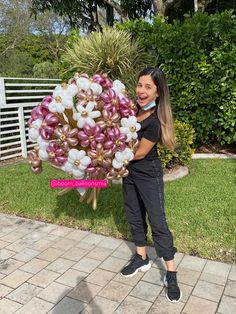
{"x":46,"y":101}
{"x":44,"y":134}
{"x":82,"y":136}
{"x":51,"y":119}
{"x":42,"y":111}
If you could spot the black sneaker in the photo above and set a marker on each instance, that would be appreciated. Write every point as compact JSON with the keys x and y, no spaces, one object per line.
{"x":136,"y":263}
{"x":173,"y":293}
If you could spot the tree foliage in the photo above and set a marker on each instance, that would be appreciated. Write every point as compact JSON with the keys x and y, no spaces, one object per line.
{"x":46,"y":69}
{"x":78,"y":13}
{"x":199,"y":57}
{"x":20,"y":60}
{"x":85,"y":13}
{"x":25,"y":38}
{"x":176,"y":9}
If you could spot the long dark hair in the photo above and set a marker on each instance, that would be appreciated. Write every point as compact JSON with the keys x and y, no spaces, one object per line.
{"x":163,"y":108}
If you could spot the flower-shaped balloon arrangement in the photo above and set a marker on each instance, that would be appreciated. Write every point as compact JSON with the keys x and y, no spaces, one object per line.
{"x":87,"y":128}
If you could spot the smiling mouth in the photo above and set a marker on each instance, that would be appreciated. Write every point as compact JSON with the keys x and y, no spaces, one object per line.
{"x":142,"y":98}
{"x":142,"y":101}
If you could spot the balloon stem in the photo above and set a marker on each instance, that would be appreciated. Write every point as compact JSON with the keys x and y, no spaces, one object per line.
{"x":90,"y":197}
{"x":83,"y":197}
{"x":94,"y":198}
{"x":64,"y":191}
{"x":69,"y":114}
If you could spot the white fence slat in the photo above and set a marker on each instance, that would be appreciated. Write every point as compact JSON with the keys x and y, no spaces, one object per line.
{"x":22,"y":132}
{"x":7,"y":112}
{"x":28,"y":104}
{"x":31,"y":84}
{"x":10,"y":156}
{"x":11,"y":150}
{"x":8,"y":119}
{"x":25,"y":97}
{"x":9,"y":131}
{"x":2,"y":92}
{"x":10,"y":137}
{"x":9,"y":125}
{"x":20,"y":91}
{"x":29,"y":79}
{"x":10,"y":143}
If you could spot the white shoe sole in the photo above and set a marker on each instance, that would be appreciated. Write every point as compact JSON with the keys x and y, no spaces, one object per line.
{"x":143,"y":269}
{"x":166,"y":285}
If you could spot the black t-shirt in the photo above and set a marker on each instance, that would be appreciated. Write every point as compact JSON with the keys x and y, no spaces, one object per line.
{"x":150,"y":129}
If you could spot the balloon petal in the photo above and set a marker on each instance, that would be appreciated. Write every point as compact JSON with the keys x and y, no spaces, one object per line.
{"x":116,"y":164}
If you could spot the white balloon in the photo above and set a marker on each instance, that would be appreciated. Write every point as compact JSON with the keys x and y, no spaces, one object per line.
{"x":43,"y":155}
{"x":96,"y":88}
{"x":83,"y":83}
{"x":42,"y":143}
{"x":37,"y":123}
{"x":33,"y":134}
{"x":73,"y":89}
{"x":67,"y":102}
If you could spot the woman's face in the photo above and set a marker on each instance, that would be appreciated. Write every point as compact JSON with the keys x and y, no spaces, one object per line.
{"x":146,"y":90}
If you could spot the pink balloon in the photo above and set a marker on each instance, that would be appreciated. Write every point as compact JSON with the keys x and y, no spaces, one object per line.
{"x":46,"y":100}
{"x":51,"y":119}
{"x":108,"y":144}
{"x":42,"y":111}
{"x":29,"y":122}
{"x":82,"y":136}
{"x":44,"y":134}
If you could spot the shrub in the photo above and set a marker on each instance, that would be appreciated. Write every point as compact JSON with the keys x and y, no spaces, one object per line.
{"x":46,"y":70}
{"x":111,"y":51}
{"x":16,"y":64}
{"x":185,"y":136}
{"x":198,"y":56}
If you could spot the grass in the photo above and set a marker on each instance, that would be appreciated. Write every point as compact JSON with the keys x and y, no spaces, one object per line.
{"x":200,"y":208}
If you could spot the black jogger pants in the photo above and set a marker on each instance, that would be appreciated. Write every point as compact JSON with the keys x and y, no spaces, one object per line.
{"x":143,"y":192}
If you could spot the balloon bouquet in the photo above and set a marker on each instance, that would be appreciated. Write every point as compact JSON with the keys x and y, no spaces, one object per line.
{"x":87,"y":128}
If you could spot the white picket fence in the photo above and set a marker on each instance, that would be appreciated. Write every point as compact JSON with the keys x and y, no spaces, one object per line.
{"x":17,"y":98}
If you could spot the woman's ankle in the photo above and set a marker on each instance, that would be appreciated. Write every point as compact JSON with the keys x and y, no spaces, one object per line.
{"x":141,"y":250}
{"x":170,"y":265}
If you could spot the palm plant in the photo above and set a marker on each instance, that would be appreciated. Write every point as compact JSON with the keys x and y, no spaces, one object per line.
{"x":111,"y":51}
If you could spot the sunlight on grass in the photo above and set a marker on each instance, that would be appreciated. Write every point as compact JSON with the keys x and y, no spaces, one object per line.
{"x":200,"y":208}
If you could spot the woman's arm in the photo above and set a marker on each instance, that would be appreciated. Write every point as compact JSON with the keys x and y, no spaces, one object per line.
{"x":143,"y":149}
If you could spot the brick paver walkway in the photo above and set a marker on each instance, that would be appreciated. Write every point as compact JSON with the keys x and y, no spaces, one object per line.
{"x":46,"y":268}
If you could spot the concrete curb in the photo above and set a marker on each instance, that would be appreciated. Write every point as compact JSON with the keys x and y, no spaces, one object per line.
{"x":216,"y":156}
{"x":178,"y":174}
{"x":183,"y":171}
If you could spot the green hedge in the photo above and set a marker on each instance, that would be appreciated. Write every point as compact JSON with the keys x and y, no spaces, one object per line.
{"x":198,"y":56}
{"x":185,"y":136}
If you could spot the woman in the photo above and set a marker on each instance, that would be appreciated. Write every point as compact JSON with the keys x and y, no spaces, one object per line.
{"x":143,"y":187}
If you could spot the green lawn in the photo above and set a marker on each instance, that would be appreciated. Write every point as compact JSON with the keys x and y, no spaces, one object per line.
{"x":200,"y":208}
